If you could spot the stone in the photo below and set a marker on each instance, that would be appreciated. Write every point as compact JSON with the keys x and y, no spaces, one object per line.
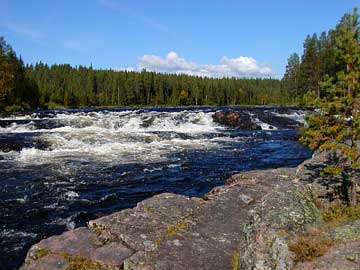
{"x":79,"y":242}
{"x":344,"y":256}
{"x":236,"y":226}
{"x":349,"y":230}
{"x":237,"y":119}
{"x":142,"y":227}
{"x":49,"y":262}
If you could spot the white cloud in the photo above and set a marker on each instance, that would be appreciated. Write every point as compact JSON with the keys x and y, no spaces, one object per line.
{"x":228,"y":67}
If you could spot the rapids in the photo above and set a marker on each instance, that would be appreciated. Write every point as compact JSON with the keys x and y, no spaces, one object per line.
{"x":59,"y":169}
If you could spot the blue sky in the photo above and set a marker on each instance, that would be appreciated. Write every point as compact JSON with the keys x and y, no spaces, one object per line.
{"x":214,"y":38}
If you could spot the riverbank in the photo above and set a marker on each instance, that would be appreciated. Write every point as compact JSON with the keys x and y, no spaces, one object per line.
{"x":252,"y":222}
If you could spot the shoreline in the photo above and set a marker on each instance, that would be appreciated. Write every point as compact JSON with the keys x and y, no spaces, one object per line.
{"x":174,"y":230}
{"x":251,"y":222}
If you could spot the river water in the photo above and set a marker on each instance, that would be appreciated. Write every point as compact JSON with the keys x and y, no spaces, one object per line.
{"x":59,"y":169}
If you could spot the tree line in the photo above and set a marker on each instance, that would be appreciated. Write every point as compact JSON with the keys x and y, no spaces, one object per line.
{"x":65,"y":86}
{"x":17,"y":90}
{"x":84,"y":86}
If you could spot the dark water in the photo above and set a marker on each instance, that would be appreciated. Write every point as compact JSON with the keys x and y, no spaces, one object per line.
{"x":59,"y":169}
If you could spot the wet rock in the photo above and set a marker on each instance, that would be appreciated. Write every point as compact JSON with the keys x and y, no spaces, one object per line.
{"x":236,"y":119}
{"x":252,"y":118}
{"x":14,"y":142}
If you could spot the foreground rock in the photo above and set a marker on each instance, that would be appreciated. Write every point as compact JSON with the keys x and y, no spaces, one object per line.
{"x":167,"y":231}
{"x":244,"y":224}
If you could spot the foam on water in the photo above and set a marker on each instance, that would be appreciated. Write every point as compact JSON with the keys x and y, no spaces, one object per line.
{"x":264,"y":126}
{"x":127,"y":136}
{"x":298,"y":116}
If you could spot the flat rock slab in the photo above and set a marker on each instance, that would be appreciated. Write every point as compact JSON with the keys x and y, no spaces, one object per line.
{"x":209,"y":238}
{"x":167,"y":231}
{"x":140,"y":228}
{"x":350,"y":230}
{"x":53,"y":262}
{"x":81,"y":243}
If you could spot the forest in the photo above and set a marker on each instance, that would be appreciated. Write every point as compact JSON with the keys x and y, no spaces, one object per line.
{"x":321,"y":60}
{"x":64,"y":86}
{"x":85,"y":87}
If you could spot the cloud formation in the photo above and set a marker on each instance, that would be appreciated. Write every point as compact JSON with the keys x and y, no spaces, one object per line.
{"x":228,"y":67}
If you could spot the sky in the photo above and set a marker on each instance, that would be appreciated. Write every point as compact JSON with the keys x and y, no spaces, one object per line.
{"x":251,"y":38}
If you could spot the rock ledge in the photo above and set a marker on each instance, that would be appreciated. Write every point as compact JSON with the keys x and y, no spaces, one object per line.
{"x":235,"y":226}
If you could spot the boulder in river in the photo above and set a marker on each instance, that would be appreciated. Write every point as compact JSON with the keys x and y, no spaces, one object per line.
{"x":237,"y":119}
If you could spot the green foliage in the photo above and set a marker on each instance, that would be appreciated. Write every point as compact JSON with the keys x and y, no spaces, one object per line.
{"x":85,"y":87}
{"x":335,"y":126}
{"x":291,"y":76}
{"x":339,"y":213}
{"x":13,"y":108}
{"x":64,"y":86}
{"x":16,"y":89}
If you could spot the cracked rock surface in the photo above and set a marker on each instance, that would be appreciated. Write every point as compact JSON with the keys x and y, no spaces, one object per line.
{"x":167,"y":231}
{"x":237,"y":226}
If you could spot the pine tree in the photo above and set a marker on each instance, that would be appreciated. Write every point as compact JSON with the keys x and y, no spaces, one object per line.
{"x":310,"y":73}
{"x":337,"y":126}
{"x":292,"y":74}
{"x":6,"y":73}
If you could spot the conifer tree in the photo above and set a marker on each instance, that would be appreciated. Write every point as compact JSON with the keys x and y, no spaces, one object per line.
{"x":292,"y":74}
{"x":337,"y":125}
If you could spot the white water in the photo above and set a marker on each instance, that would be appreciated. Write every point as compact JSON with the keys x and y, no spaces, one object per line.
{"x":298,"y":116}
{"x":264,"y":126}
{"x":128,"y":136}
{"x":118,"y":137}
